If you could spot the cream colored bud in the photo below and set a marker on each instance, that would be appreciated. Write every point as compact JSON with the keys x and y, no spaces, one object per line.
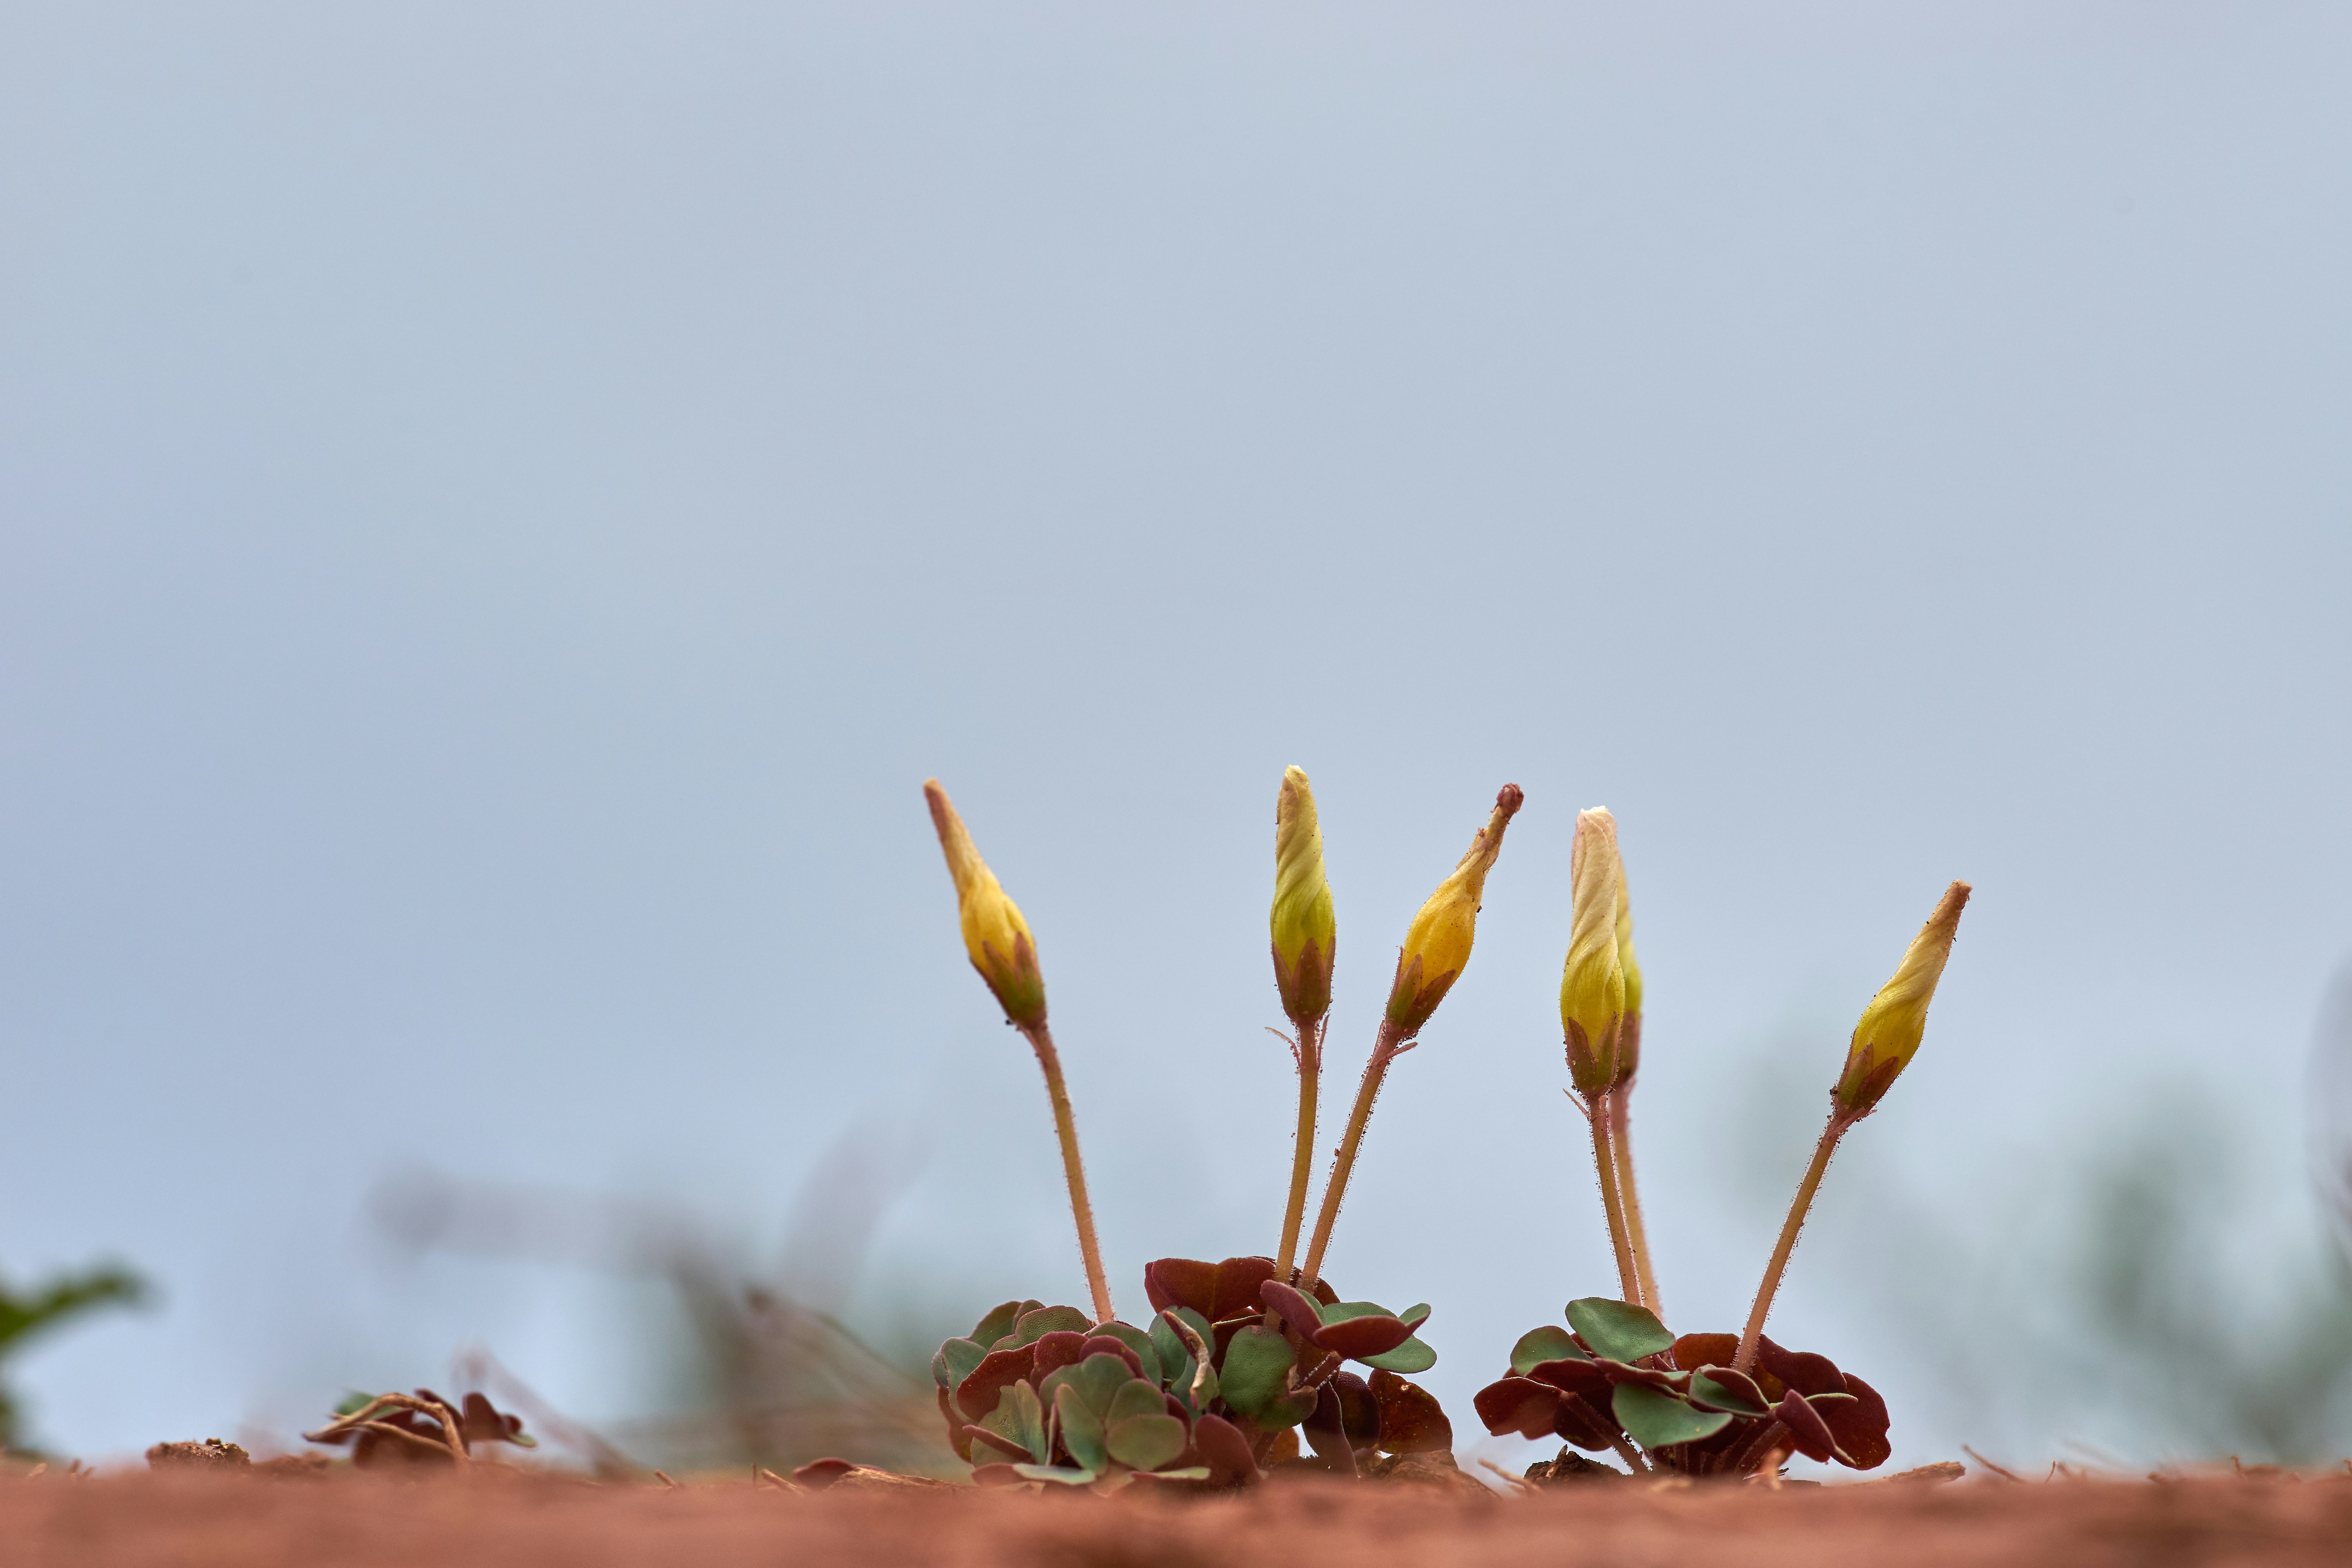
{"x":1592,"y":981}
{"x":1892,"y":1027}
{"x":1437,"y":943}
{"x":995,"y":935}
{"x":1305,"y":931}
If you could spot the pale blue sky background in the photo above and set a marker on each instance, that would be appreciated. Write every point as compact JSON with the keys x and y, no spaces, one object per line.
{"x":502,"y":506}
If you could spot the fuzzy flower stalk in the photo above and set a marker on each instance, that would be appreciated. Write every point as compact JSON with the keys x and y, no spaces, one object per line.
{"x":997,"y":940}
{"x":1884,"y":1043}
{"x":1621,"y":1099}
{"x":1592,"y":996}
{"x":1305,"y":939}
{"x":1436,"y":949}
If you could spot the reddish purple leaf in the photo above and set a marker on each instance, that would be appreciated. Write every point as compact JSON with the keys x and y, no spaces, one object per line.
{"x":1295,"y":1309}
{"x":1580,"y":1424}
{"x":1062,"y":1347}
{"x":954,"y":1418}
{"x":1806,"y":1428}
{"x":1860,"y":1427}
{"x":976,"y":1395}
{"x":1360,"y":1337}
{"x":1223,"y":1450}
{"x":1103,"y":1344}
{"x":1215,"y":1290}
{"x":1411,"y":1421}
{"x":819,"y":1474}
{"x":1518,"y":1404}
{"x":1571,"y":1376}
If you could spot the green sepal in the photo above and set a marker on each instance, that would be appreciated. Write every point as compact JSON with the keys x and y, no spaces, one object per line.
{"x":1616,"y":1331}
{"x":1658,"y":1420}
{"x":1537,"y":1346}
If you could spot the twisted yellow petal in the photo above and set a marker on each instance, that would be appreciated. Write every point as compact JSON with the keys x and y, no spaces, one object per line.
{"x":1888,"y":1036}
{"x":1437,"y":943}
{"x":994,"y":934}
{"x":1592,"y":981}
{"x":1304,"y":927}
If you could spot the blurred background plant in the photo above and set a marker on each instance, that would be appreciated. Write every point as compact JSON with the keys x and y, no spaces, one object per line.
{"x":27,"y":1314}
{"x":2154,"y":1288}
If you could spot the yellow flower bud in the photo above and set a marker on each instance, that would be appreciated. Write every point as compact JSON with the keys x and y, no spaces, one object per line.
{"x":1889,"y":1034}
{"x":1629,"y":1034}
{"x":1437,"y":943}
{"x":1592,"y":981}
{"x":1305,"y":931}
{"x":994,"y":934}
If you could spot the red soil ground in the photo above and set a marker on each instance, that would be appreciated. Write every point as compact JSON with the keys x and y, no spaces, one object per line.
{"x":249,"y":1522}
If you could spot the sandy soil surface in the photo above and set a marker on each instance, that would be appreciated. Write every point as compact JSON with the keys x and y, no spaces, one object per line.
{"x":200,"y":1520}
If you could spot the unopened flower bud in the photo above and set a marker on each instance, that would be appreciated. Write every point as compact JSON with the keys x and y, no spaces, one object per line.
{"x":1305,"y":931}
{"x":994,"y":934}
{"x":1592,"y":981}
{"x":1891,"y":1027}
{"x":1437,"y":943}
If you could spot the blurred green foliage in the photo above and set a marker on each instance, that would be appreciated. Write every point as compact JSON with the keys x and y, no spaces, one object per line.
{"x":27,"y":1313}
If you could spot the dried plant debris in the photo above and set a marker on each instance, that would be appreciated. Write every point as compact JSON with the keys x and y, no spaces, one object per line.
{"x":212,"y":1454}
{"x":418,"y":1428}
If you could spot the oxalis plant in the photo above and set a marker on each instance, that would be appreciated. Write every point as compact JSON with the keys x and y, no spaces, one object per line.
{"x":1616,"y":1378}
{"x":1240,"y":1356}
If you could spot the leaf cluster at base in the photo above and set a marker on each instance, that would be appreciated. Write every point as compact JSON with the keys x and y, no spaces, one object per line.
{"x":1208,"y":1396}
{"x":1616,"y":1378}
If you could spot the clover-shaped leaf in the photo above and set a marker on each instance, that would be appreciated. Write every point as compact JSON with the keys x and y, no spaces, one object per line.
{"x":1000,"y":1320}
{"x":1617,"y":1331}
{"x":1147,"y":1442}
{"x":1033,"y":1326}
{"x":955,"y":1361}
{"x":1414,"y":1356}
{"x":1658,"y":1420}
{"x":1147,"y":1355}
{"x":1720,"y":1388}
{"x":1218,"y":1292}
{"x":1016,"y":1426}
{"x":1081,"y":1426}
{"x":1539,"y":1345}
{"x":1411,"y":1421}
{"x":1255,"y":1377}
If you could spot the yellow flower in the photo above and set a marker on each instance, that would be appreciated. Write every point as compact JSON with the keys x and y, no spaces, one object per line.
{"x":1305,"y":931}
{"x":1629,"y":1034}
{"x":1437,"y":943}
{"x":1592,"y":981}
{"x":994,"y":934}
{"x":1891,"y":1027}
